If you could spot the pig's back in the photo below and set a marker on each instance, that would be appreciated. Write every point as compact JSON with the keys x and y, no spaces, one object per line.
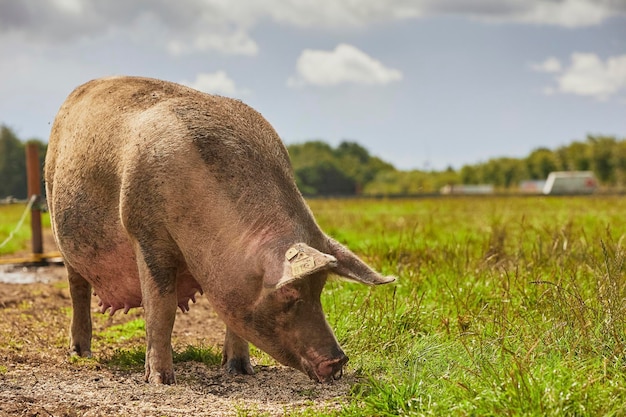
{"x":141,"y":149}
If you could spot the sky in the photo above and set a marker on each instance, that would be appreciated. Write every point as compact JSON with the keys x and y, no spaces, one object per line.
{"x":423,"y":84}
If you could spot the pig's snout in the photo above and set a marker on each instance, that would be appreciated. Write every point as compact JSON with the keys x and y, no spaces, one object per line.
{"x":332,"y":369}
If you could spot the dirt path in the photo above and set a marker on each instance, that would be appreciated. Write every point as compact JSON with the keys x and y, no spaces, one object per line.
{"x":38,"y":379}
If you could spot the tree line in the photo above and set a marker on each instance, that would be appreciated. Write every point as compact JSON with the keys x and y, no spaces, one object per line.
{"x":345,"y":170}
{"x":349,"y":169}
{"x":317,"y":167}
{"x":13,"y":163}
{"x":604,"y":155}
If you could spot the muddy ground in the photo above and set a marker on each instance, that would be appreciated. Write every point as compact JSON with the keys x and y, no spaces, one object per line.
{"x":37,"y":378}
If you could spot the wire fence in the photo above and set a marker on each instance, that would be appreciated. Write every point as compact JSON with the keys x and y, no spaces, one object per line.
{"x":29,"y":206}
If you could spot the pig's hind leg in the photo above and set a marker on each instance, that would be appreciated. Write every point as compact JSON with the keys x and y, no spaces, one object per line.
{"x":157,"y":273}
{"x":80,"y":329}
{"x":236,"y":354}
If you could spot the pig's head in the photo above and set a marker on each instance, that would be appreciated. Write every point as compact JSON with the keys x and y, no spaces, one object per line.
{"x":287,"y":320}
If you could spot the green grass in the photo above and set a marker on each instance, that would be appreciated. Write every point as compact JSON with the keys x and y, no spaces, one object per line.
{"x":206,"y":355}
{"x":134,"y":358}
{"x":9,"y":219}
{"x":503,"y":306}
{"x":134,"y":329}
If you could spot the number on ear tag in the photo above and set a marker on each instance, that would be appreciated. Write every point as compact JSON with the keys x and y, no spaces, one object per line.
{"x":302,"y":265}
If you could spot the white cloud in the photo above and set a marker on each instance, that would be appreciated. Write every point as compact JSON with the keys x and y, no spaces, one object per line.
{"x":226,"y":26}
{"x":589,"y":76}
{"x":550,"y":65}
{"x":345,"y":64}
{"x":216,"y":83}
{"x":342,"y":13}
{"x":238,"y":43}
{"x":565,"y":13}
{"x":74,"y":7}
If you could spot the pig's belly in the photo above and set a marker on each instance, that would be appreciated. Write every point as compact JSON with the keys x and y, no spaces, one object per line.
{"x":114,"y":278}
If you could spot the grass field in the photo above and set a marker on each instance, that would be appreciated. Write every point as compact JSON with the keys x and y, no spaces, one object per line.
{"x":9,"y":218}
{"x":503,"y":306}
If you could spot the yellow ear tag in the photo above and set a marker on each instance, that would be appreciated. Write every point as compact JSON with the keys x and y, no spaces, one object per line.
{"x":301,"y":262}
{"x":302,"y":265}
{"x":291,"y":253}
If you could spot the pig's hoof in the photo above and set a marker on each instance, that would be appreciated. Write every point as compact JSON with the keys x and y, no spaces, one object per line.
{"x":77,"y":352}
{"x":159,"y":378}
{"x":240,"y":366}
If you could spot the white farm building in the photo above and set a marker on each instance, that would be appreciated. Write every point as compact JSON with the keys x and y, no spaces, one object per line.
{"x":570,"y":182}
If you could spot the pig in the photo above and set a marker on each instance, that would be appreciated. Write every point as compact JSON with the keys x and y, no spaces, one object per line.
{"x":158,"y":192}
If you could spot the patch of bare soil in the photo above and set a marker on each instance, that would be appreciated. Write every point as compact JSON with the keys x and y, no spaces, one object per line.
{"x":38,"y":379}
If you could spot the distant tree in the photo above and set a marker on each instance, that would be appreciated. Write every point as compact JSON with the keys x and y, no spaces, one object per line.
{"x":324,"y":178}
{"x":321,"y":170}
{"x":447,"y":177}
{"x":405,"y":183}
{"x":386,"y":183}
{"x":309,"y":153}
{"x":12,"y":164}
{"x":493,"y":173}
{"x":507,"y":172}
{"x":501,"y":172}
{"x":308,"y":160}
{"x":349,"y":168}
{"x":541,"y":162}
{"x":470,"y":174}
{"x":619,"y":163}
{"x":352,"y":150}
{"x":602,"y":158}
{"x":575,"y":156}
{"x":357,"y":163}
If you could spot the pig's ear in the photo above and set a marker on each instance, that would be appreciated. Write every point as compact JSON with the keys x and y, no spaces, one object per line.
{"x":351,"y":267}
{"x":301,"y":260}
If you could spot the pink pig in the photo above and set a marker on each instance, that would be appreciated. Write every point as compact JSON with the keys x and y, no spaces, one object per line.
{"x":158,"y":192}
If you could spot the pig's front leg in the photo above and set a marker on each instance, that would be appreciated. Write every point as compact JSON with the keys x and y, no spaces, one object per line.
{"x":236,"y":354}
